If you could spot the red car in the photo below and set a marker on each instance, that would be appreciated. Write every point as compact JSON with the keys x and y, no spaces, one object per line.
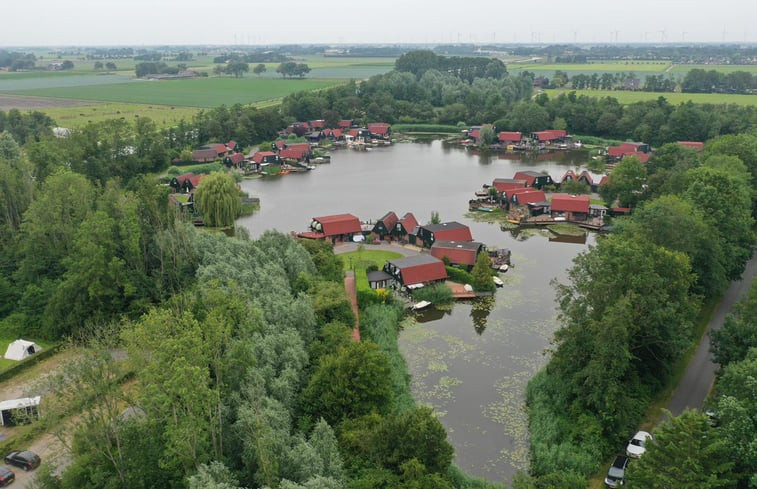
{"x":6,"y":476}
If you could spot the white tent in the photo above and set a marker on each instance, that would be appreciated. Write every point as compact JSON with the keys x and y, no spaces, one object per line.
{"x":21,"y":349}
{"x":19,"y":411}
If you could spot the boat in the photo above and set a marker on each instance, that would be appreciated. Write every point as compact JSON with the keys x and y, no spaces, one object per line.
{"x":498,"y":281}
{"x":420,"y":305}
{"x":504,"y":268}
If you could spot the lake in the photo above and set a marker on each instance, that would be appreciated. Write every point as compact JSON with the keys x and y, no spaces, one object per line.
{"x":473,"y":361}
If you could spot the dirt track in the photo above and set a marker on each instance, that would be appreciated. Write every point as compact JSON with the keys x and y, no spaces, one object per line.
{"x":8,"y":102}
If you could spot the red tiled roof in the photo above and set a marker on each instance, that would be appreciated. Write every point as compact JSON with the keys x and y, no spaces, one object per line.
{"x":339,"y":224}
{"x":510,"y":136}
{"x":258,"y":157}
{"x":318,"y":124}
{"x":569,"y":175}
{"x":604,"y":180}
{"x":587,"y":176}
{"x":337,"y":133}
{"x":527,"y":196}
{"x":643,"y":157}
{"x":354,"y":132}
{"x":450,"y":231}
{"x":697,"y":145}
{"x":220,"y":148}
{"x":236,"y":158}
{"x":474,"y":133}
{"x":193,"y":179}
{"x":280,"y":143}
{"x":304,"y":147}
{"x":550,"y":134}
{"x":570,"y":203}
{"x":409,"y":222}
{"x":529,"y":178}
{"x":390,"y":219}
{"x":420,"y":269}
{"x":311,"y":235}
{"x":457,"y":253}
{"x":345,"y":123}
{"x":232,"y":144}
{"x":380,"y":128}
{"x":294,"y":154}
{"x":618,"y":151}
{"x":504,"y":184}
{"x":631,"y":146}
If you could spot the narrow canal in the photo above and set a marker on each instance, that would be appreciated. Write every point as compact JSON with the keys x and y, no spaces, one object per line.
{"x":472,"y":362}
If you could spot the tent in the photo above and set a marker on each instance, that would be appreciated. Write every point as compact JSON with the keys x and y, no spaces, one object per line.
{"x":21,"y":349}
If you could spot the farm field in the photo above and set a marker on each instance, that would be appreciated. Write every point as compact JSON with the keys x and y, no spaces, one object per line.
{"x":603,"y":67}
{"x":78,"y":116}
{"x":629,"y":97}
{"x":198,"y":92}
{"x":721,"y":68}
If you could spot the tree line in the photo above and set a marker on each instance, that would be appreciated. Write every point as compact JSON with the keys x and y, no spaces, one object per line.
{"x":629,"y":307}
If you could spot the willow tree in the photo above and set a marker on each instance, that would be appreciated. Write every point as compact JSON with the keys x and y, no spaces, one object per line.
{"x":218,"y":200}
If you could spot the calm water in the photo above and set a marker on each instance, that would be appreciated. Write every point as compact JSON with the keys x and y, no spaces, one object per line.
{"x":471,"y":363}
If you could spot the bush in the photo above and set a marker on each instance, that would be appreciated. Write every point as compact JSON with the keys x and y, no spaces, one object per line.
{"x":436,"y":294}
{"x":459,"y":275}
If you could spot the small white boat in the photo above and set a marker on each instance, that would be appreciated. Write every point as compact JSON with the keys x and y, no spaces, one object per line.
{"x":420,"y":305}
{"x":498,"y":281}
{"x":504,"y":268}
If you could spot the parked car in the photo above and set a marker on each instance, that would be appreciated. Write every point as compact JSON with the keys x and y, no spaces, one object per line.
{"x":6,"y":476}
{"x":636,"y":446}
{"x":26,"y":460}
{"x":616,"y":476}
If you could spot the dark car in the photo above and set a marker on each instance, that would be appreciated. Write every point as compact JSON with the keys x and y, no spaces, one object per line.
{"x":26,"y":460}
{"x":6,"y":476}
{"x":617,"y":473}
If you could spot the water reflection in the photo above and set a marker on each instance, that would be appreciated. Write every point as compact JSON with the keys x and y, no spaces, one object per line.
{"x":470,"y":362}
{"x":567,"y":238}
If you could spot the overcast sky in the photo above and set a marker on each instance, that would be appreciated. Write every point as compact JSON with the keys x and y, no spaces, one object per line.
{"x":150,"y":22}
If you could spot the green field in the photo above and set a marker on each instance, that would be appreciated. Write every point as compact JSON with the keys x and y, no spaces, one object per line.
{"x":603,"y":67}
{"x":198,"y":92}
{"x":78,"y":116}
{"x":628,"y":97}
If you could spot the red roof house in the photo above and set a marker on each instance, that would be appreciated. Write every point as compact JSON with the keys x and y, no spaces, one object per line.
{"x":569,"y":175}
{"x":381,"y":129}
{"x":345,"y":123}
{"x":448,"y":231}
{"x":697,"y":145}
{"x":510,"y":137}
{"x":317,"y":124}
{"x":549,"y":135}
{"x":265,"y":157}
{"x":418,"y":269}
{"x":504,"y":184}
{"x":408,"y":223}
{"x":204,"y":155}
{"x":458,"y":253}
{"x":292,"y":154}
{"x":526,"y":196}
{"x":586,"y":177}
{"x":386,"y":225}
{"x":572,"y":207}
{"x":220,"y":148}
{"x":235,"y":159}
{"x":336,"y":225}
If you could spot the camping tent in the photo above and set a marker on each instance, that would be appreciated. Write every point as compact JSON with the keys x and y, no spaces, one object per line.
{"x":21,"y":349}
{"x":19,"y":411}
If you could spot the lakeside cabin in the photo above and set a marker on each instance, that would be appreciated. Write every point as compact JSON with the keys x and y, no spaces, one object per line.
{"x":457,"y":253}
{"x":570,"y":207}
{"x":450,"y":231}
{"x":416,"y":271}
{"x":337,"y":228}
{"x":386,"y":225}
{"x":534,"y":179}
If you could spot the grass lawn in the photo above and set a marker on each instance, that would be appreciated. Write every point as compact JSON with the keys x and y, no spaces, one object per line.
{"x":628,"y":97}
{"x":4,"y":342}
{"x":198,"y":92}
{"x":360,"y":260}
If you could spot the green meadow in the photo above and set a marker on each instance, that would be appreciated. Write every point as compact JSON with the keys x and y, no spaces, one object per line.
{"x":198,"y":92}
{"x":629,"y":97}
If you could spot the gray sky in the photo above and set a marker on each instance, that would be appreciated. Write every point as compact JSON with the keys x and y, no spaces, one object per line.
{"x":149,"y":22}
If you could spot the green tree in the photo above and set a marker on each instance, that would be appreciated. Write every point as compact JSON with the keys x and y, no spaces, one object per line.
{"x":111,"y":66}
{"x":435,"y":219}
{"x":687,"y":453}
{"x":732,"y":342}
{"x":237,"y":68}
{"x":98,"y":65}
{"x":482,"y":276}
{"x":626,"y":183}
{"x":218,"y":200}
{"x":351,"y":382}
{"x":259,"y":69}
{"x":575,"y":187}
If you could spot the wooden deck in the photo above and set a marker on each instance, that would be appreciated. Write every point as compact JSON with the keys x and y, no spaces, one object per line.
{"x":459,"y":292}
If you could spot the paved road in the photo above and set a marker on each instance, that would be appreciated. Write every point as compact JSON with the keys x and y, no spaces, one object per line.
{"x":697,"y":380}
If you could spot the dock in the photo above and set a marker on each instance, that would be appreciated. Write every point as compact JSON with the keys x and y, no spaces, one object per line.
{"x":459,"y":291}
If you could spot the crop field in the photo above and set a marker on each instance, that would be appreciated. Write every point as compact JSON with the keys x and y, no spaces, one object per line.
{"x":75,"y":117}
{"x":629,"y":97}
{"x":198,"y":92}
{"x":602,"y":67}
